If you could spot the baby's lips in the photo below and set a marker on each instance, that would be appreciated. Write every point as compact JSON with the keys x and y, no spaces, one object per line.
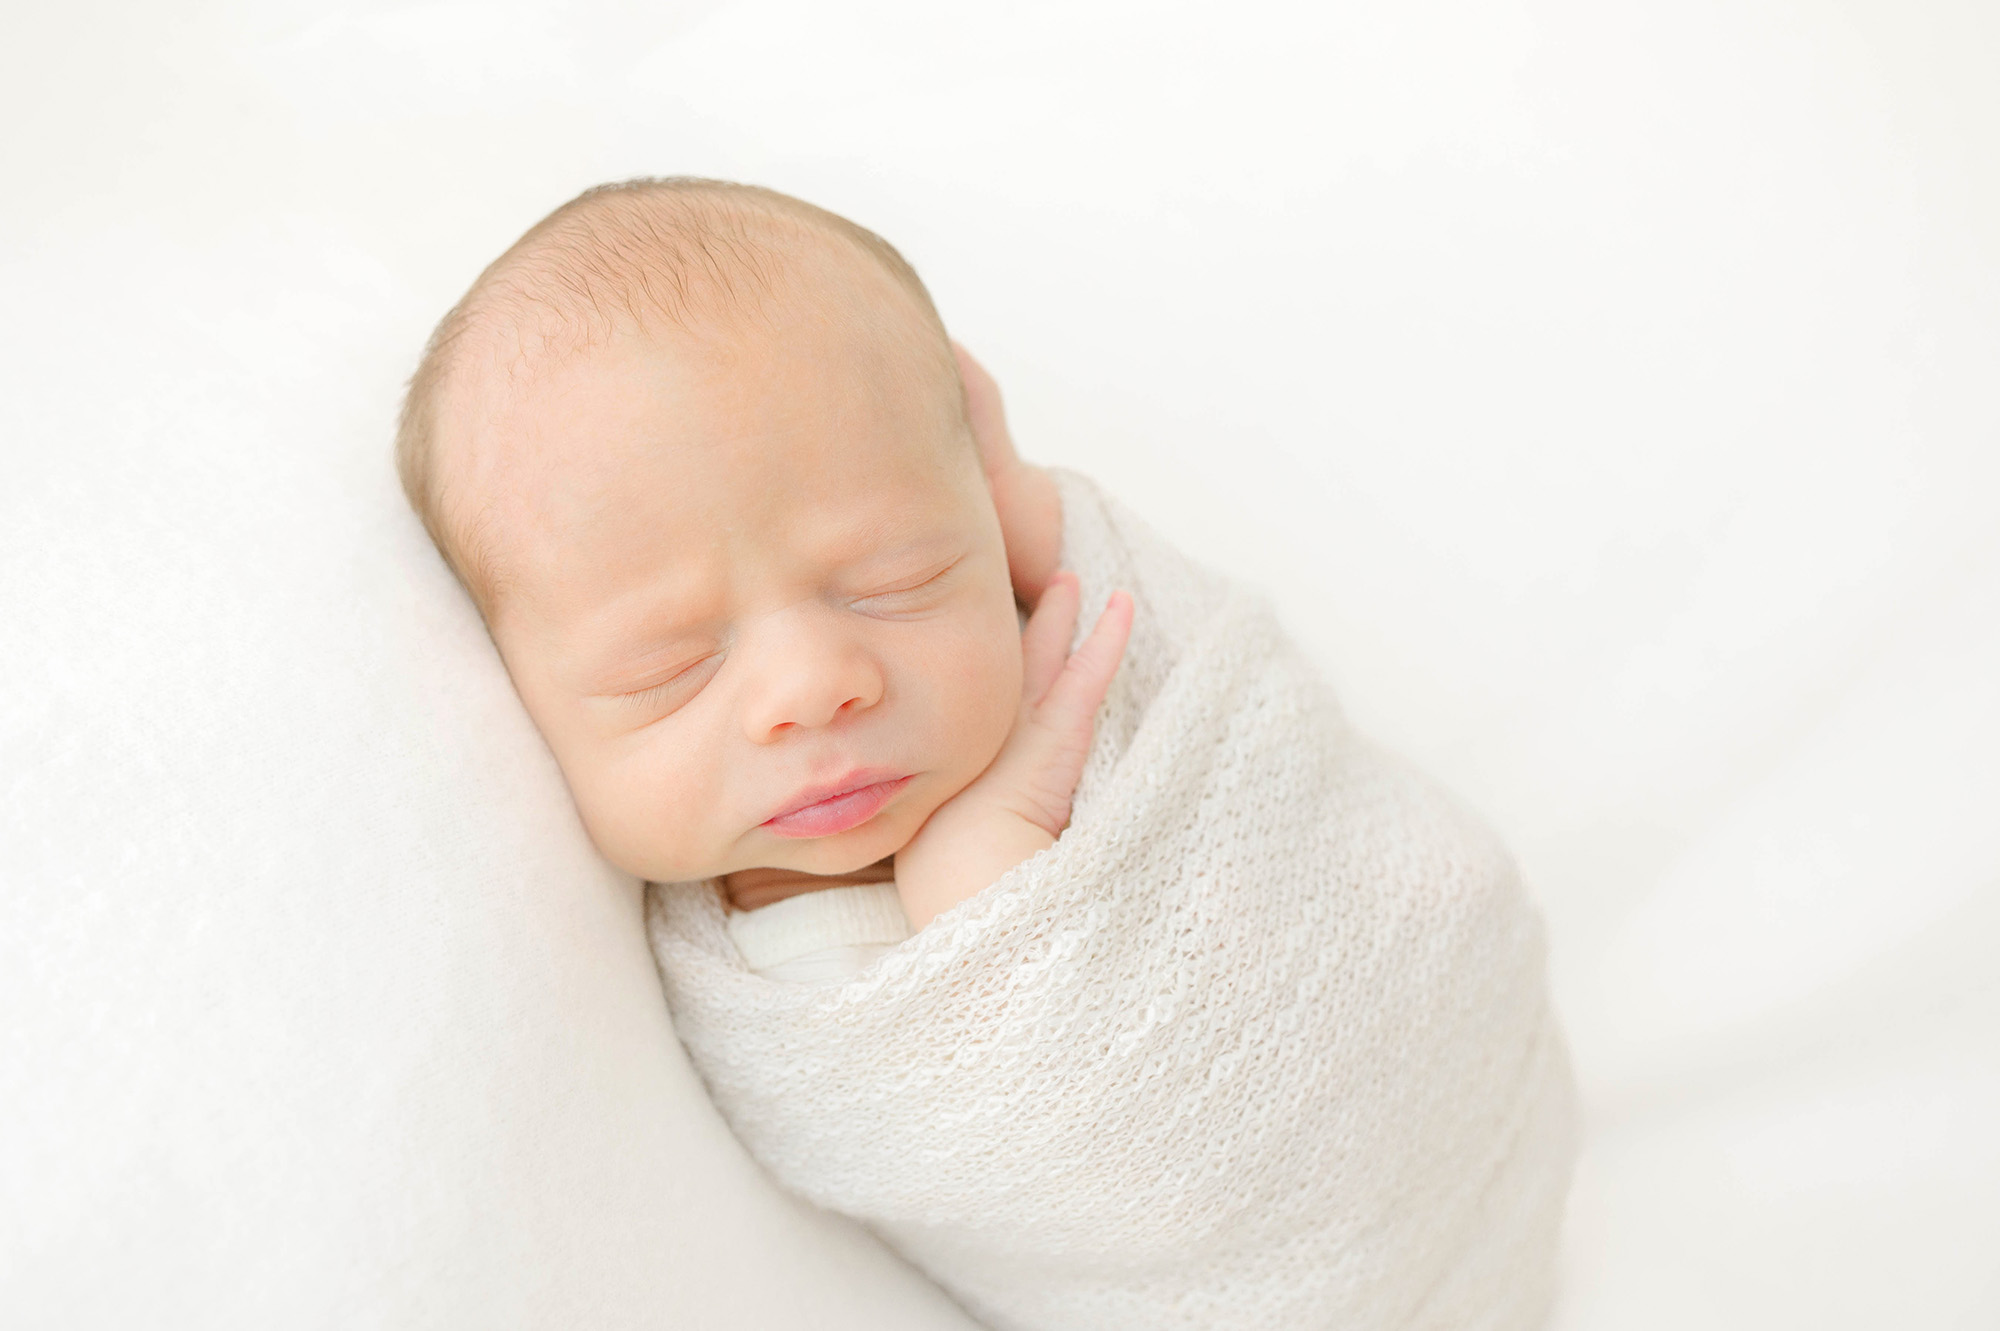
{"x":837,"y":813}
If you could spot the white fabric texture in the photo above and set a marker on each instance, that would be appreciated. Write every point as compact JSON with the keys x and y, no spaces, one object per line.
{"x":820,"y":937}
{"x":1263,"y":1039}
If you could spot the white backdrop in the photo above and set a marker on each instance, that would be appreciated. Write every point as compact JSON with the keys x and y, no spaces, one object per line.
{"x":1607,"y":394}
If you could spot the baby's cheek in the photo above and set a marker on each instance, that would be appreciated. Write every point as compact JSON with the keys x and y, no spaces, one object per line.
{"x":989,"y":696}
{"x":638,"y":810}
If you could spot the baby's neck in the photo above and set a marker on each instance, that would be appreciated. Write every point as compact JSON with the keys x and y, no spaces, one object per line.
{"x":747,"y":889}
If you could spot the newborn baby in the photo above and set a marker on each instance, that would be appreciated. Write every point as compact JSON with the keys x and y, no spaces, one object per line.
{"x":1107,"y":976}
{"x":701,"y":455}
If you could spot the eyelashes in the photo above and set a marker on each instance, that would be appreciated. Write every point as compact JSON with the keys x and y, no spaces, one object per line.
{"x":915,"y":594}
{"x":694,"y":675}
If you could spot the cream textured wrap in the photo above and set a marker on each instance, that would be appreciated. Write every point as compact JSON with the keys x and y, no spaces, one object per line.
{"x":1261,"y":1042}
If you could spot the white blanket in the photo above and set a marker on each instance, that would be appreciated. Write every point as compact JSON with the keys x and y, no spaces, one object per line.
{"x":1262,"y":1041}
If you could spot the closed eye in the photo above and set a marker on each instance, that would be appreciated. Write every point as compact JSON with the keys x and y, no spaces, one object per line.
{"x":677,"y":688}
{"x":911,"y":596}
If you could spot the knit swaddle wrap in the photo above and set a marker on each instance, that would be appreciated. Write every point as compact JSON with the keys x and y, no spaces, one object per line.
{"x":1262,"y":1041}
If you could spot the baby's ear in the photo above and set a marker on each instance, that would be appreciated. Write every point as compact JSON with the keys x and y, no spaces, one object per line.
{"x":1025,"y":497}
{"x":1030,"y":512}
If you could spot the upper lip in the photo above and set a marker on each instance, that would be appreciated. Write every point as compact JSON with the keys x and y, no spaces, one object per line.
{"x":846,"y":785}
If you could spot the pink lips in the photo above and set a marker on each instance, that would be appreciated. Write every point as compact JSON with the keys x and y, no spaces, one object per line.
{"x":830,"y":809}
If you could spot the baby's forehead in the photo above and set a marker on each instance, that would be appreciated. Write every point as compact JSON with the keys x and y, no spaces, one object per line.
{"x":627,"y":456}
{"x":531,"y":397}
{"x":669,"y":533}
{"x":568,"y":307}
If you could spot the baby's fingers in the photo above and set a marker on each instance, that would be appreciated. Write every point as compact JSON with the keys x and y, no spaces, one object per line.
{"x":1080,"y":687}
{"x":1045,"y":640}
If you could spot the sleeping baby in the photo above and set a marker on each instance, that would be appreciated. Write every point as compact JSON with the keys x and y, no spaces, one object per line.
{"x":1017,"y":887}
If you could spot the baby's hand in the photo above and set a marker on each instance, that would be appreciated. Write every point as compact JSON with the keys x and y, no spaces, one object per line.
{"x":1020,"y":804}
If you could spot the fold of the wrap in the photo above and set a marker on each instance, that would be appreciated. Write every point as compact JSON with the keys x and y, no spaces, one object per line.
{"x":1262,"y":1041}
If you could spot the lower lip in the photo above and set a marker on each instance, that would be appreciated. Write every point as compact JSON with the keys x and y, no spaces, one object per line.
{"x":839,"y":814}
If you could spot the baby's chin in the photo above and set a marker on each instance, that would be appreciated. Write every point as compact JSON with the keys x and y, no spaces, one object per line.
{"x":831,"y":861}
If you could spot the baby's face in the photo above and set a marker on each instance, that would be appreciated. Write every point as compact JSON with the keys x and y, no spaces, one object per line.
{"x":743,"y":572}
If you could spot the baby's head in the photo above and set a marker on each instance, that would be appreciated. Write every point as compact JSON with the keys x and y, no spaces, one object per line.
{"x":699,"y":453}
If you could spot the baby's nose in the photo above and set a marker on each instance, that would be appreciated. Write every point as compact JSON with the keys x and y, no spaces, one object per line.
{"x":812,"y":673}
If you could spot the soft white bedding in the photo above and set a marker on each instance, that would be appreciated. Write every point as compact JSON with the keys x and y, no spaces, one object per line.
{"x":1605,"y":398}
